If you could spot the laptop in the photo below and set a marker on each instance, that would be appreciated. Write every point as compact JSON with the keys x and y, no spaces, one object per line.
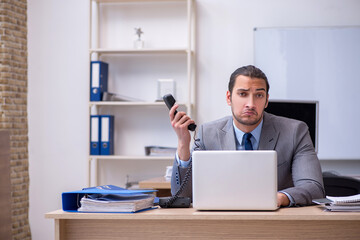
{"x":234,"y":180}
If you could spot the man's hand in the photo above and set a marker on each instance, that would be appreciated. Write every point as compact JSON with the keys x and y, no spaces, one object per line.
{"x":180,"y":123}
{"x":282,"y":200}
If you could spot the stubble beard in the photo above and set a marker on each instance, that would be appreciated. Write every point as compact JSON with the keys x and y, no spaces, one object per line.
{"x":247,"y":121}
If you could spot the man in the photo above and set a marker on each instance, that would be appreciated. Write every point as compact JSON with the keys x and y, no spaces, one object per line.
{"x":299,"y":171}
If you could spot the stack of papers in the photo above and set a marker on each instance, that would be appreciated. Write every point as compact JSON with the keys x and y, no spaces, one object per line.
{"x":340,"y":204}
{"x":107,"y":96}
{"x":108,"y":198}
{"x":116,"y":203}
{"x":160,"y":151}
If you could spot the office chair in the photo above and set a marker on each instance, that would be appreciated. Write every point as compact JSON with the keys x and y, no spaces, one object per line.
{"x":336,"y":185}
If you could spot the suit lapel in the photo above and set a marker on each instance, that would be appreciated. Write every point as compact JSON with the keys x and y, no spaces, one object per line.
{"x":269,"y":135}
{"x":227,"y":136}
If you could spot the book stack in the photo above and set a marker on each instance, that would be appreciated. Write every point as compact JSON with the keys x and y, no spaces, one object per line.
{"x":340,"y":204}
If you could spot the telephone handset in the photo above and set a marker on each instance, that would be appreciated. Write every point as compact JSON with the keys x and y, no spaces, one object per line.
{"x":170,"y":101}
{"x":175,"y":201}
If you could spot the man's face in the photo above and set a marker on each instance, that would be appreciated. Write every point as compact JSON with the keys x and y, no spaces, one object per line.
{"x":248,"y":101}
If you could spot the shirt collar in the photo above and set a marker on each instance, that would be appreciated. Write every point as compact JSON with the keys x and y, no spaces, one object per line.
{"x":256,"y":132}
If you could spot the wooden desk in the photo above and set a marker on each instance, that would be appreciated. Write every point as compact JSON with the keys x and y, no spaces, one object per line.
{"x":160,"y":183}
{"x":286,"y":223}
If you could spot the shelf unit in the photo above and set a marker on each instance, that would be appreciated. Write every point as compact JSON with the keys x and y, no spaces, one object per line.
{"x":100,"y":49}
{"x":126,"y":51}
{"x":118,"y":103}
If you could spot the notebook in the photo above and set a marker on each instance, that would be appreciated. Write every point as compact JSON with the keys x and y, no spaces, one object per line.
{"x":234,"y":180}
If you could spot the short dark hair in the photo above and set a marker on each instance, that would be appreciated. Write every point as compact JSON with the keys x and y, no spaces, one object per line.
{"x":248,"y":71}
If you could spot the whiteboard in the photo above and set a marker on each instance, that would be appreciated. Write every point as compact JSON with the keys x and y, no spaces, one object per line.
{"x":320,"y":64}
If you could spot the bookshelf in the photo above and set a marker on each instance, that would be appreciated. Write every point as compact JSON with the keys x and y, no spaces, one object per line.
{"x":138,"y":51}
{"x":168,"y":52}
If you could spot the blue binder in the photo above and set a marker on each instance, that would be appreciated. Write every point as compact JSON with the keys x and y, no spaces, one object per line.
{"x":107,"y":135}
{"x":71,"y":200}
{"x":94,"y":135}
{"x":98,"y":79}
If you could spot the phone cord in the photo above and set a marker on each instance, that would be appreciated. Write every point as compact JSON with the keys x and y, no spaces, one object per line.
{"x":171,"y":200}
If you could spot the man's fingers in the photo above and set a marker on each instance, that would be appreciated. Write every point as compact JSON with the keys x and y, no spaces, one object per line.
{"x":172,"y":111}
{"x":180,"y":119}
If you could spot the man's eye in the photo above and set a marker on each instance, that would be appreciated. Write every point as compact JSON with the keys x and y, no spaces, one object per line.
{"x":260,"y":95}
{"x":242,"y":94}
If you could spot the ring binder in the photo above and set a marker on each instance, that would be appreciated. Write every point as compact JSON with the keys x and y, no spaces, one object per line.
{"x":94,"y":135}
{"x":107,"y":135}
{"x":98,"y":79}
{"x":71,"y":200}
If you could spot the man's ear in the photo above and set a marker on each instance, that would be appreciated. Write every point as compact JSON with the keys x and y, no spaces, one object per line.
{"x":228,"y":98}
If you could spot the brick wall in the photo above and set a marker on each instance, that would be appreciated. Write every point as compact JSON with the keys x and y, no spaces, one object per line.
{"x":13,"y":107}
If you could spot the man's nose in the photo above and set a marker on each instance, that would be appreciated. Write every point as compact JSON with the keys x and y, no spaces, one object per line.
{"x":250,"y":102}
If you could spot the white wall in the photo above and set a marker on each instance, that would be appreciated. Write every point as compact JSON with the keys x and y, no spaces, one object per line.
{"x":58,"y":84}
{"x":57,"y":105}
{"x":306,"y":64}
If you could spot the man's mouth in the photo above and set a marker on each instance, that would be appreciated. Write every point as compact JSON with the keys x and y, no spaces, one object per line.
{"x":251,"y":113}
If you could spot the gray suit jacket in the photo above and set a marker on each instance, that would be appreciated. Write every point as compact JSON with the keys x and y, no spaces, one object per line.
{"x":299,"y":171}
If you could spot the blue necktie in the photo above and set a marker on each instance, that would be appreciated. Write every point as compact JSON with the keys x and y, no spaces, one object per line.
{"x":247,"y":142}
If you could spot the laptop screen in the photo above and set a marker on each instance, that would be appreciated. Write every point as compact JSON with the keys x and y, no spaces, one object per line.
{"x":234,"y":180}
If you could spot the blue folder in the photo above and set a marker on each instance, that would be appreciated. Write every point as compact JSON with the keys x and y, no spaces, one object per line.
{"x":94,"y":135}
{"x":107,"y":135}
{"x":71,"y":200}
{"x":98,"y":79}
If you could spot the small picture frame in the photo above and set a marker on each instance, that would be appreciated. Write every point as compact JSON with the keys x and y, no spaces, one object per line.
{"x":165,"y":86}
